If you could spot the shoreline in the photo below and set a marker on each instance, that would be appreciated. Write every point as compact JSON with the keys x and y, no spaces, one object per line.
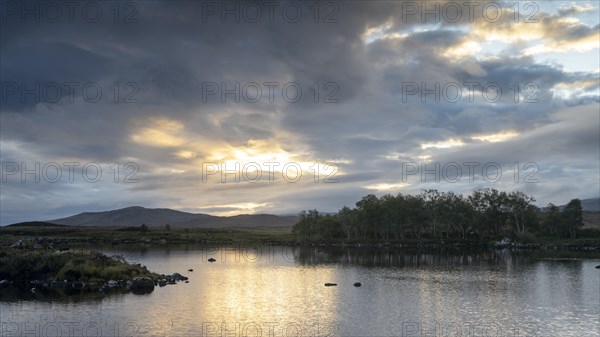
{"x":46,"y":274}
{"x":63,"y":238}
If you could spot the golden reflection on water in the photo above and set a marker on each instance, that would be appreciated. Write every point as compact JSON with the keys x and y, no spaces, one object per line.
{"x":252,"y":295}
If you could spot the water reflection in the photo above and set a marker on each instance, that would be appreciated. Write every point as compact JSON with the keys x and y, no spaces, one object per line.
{"x":279,"y":291}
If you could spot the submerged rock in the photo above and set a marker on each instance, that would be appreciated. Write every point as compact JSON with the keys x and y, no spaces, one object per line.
{"x":357,"y":284}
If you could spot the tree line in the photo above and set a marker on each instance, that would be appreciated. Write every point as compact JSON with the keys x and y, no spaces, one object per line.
{"x":486,"y":214}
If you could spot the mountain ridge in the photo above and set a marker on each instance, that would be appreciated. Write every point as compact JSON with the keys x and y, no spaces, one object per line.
{"x":153,"y":217}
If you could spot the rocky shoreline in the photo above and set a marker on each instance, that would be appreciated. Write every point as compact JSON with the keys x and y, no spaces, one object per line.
{"x":56,"y":273}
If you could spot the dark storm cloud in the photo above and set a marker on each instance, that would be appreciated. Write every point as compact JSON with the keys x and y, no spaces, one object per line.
{"x":173,"y":52}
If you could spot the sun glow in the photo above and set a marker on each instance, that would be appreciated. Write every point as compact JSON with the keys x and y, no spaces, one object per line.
{"x":446,"y":144}
{"x":235,"y":209}
{"x":496,"y":137}
{"x":385,"y":186}
{"x":162,"y":132}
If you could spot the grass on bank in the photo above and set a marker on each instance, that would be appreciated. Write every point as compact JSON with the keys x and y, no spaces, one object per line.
{"x":72,"y":236}
{"x":107,"y":235}
{"x":25,"y":265}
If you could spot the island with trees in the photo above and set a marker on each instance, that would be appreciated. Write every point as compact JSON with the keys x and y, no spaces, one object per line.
{"x":485,"y":216}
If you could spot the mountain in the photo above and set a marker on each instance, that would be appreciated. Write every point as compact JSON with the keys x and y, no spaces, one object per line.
{"x":588,"y":205}
{"x":36,"y":224}
{"x":136,"y":216}
{"x":591,"y":205}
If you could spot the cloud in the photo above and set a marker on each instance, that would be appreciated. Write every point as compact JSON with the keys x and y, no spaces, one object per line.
{"x":175,"y":97}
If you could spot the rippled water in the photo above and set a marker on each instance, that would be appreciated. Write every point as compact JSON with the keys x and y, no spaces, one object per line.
{"x":280,"y":292}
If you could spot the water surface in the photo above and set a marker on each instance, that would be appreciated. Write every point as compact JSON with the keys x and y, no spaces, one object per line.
{"x":279,"y":291}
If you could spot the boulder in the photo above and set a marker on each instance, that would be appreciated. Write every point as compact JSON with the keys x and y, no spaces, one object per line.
{"x":78,"y":285}
{"x":178,"y":277}
{"x":142,"y":285}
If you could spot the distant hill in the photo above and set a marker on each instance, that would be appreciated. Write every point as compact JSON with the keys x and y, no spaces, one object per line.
{"x":592,"y":205}
{"x":588,"y":205}
{"x":36,"y":224}
{"x":152,"y":217}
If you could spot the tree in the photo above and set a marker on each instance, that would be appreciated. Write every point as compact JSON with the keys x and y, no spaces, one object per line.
{"x":454,"y":214}
{"x":552,"y":219}
{"x":416,"y":217}
{"x":521,"y":208}
{"x":369,"y":216}
{"x":461,"y":213}
{"x":329,"y":228}
{"x":433,"y":203}
{"x":306,"y":227}
{"x":491,"y":212}
{"x":572,"y":217}
{"x":485,"y":214}
{"x":347,"y":220}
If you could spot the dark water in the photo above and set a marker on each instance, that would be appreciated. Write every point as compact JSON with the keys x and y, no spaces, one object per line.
{"x":275,"y":291}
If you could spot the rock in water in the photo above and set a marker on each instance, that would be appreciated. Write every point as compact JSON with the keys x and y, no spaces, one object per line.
{"x":330,"y":284}
{"x":78,"y":285}
{"x":357,"y":284}
{"x":597,"y":267}
{"x":211,"y":260}
{"x":142,"y":285}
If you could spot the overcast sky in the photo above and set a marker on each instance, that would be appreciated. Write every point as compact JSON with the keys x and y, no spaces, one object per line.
{"x":366,"y":93}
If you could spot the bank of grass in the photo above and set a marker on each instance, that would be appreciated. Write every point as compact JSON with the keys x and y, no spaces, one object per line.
{"x":61,"y":236}
{"x":25,"y":265}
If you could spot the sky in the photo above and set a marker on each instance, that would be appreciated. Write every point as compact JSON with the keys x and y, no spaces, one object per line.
{"x":275,"y":107}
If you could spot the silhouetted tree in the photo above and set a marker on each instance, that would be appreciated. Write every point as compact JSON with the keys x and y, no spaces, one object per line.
{"x":572,"y":217}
